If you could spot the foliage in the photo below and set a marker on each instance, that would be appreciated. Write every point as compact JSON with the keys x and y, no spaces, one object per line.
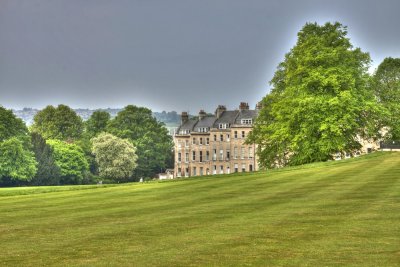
{"x":16,"y":162}
{"x":10,"y":125}
{"x":71,"y":160}
{"x":97,"y":123}
{"x":115,"y":157}
{"x":320,"y":103}
{"x":150,"y":137}
{"x":387,"y":90}
{"x":48,"y":172}
{"x":61,"y":123}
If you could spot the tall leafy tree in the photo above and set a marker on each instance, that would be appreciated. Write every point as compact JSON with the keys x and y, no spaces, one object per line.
{"x":16,"y":162}
{"x":115,"y":157}
{"x":11,"y":126}
{"x":48,"y":172}
{"x":97,"y":123}
{"x":320,"y":103}
{"x":387,"y":89}
{"x":61,"y":123}
{"x":150,"y":137}
{"x":71,"y":160}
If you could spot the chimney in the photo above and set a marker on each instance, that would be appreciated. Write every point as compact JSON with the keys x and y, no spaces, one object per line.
{"x":243,"y":106}
{"x":184,"y":117}
{"x":259,"y":106}
{"x":220,"y":109}
{"x":202,"y":114}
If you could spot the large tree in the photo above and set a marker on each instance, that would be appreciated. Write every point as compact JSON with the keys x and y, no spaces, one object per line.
{"x":320,"y":103}
{"x":387,"y":89}
{"x":115,"y":157}
{"x":11,"y":126}
{"x":149,"y":136}
{"x":97,"y":123}
{"x":16,"y":162}
{"x":71,"y":160}
{"x":61,"y":123}
{"x":48,"y":172}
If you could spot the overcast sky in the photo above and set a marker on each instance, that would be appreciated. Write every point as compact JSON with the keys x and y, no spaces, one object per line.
{"x":166,"y":54}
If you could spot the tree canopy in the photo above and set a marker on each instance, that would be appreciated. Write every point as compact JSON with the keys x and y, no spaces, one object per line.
{"x":149,"y":136}
{"x":387,"y":89}
{"x":61,"y":123}
{"x":71,"y":160}
{"x":115,"y":157}
{"x":320,"y":103}
{"x":97,"y":123}
{"x":10,"y":125}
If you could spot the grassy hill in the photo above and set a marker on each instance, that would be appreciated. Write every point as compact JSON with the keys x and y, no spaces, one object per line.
{"x":327,"y":214}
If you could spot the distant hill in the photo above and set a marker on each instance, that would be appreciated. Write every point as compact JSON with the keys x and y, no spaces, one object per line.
{"x":170,"y":118}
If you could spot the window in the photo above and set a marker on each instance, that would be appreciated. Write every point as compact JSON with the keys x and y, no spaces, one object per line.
{"x":179,"y":144}
{"x":221,"y":137}
{"x":223,"y":125}
{"x":203,"y":129}
{"x":207,"y":155}
{"x":227,"y":137}
{"x":215,"y":169}
{"x":221,"y":169}
{"x":250,"y":152}
{"x":215,"y":137}
{"x":228,"y":155}
{"x":186,"y":172}
{"x":184,"y":132}
{"x":179,"y":157}
{"x":236,"y":167}
{"x":235,"y":134}
{"x":242,"y":153}
{"x":194,"y":171}
{"x":186,"y":157}
{"x":243,"y":167}
{"x":221,"y":154}
{"x":247,"y":121}
{"x":201,"y":141}
{"x":201,"y":156}
{"x":207,"y":141}
{"x":194,"y":155}
{"x":243,"y":134}
{"x":214,"y":154}
{"x":194,"y":141}
{"x":228,"y":170}
{"x":186,"y":143}
{"x":201,"y":170}
{"x":250,"y":168}
{"x":235,"y":152}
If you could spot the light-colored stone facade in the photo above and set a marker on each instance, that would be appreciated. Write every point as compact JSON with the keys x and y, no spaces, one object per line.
{"x":214,"y":144}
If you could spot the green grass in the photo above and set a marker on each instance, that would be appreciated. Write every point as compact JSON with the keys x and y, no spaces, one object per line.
{"x":344,"y":213}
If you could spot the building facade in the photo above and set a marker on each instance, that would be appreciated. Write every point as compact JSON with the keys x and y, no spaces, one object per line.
{"x":214,"y":144}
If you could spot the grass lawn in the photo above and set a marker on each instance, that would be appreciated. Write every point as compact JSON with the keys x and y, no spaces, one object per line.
{"x":344,"y":213}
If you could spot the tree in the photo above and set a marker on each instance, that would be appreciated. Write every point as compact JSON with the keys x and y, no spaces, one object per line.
{"x":48,"y":172}
{"x":11,"y":126}
{"x":387,"y":90}
{"x":71,"y":160}
{"x":320,"y":103}
{"x":149,"y":136}
{"x":115,"y":157}
{"x":97,"y":123}
{"x":16,"y":162}
{"x":61,"y":123}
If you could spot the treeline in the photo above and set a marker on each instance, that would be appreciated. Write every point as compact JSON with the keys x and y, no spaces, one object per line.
{"x":60,"y":148}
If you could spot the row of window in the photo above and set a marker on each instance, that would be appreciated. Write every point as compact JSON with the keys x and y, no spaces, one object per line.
{"x":220,"y":155}
{"x":215,"y":170}
{"x":206,"y":141}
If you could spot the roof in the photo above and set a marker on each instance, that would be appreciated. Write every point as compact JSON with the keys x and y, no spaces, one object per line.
{"x":246,"y":114}
{"x":206,"y":122}
{"x":226,"y":117}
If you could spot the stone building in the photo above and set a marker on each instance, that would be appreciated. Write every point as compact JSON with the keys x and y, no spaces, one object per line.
{"x":214,"y":144}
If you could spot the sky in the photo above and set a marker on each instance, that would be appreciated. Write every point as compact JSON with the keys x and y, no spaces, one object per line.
{"x":167,"y":55}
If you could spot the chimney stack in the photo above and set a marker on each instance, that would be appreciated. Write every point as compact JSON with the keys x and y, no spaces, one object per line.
{"x":220,"y":109}
{"x":202,"y":114}
{"x":259,"y":106}
{"x":243,"y":106}
{"x":184,"y":117}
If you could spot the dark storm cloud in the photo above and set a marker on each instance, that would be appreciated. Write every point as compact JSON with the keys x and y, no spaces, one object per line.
{"x":172,"y":55}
